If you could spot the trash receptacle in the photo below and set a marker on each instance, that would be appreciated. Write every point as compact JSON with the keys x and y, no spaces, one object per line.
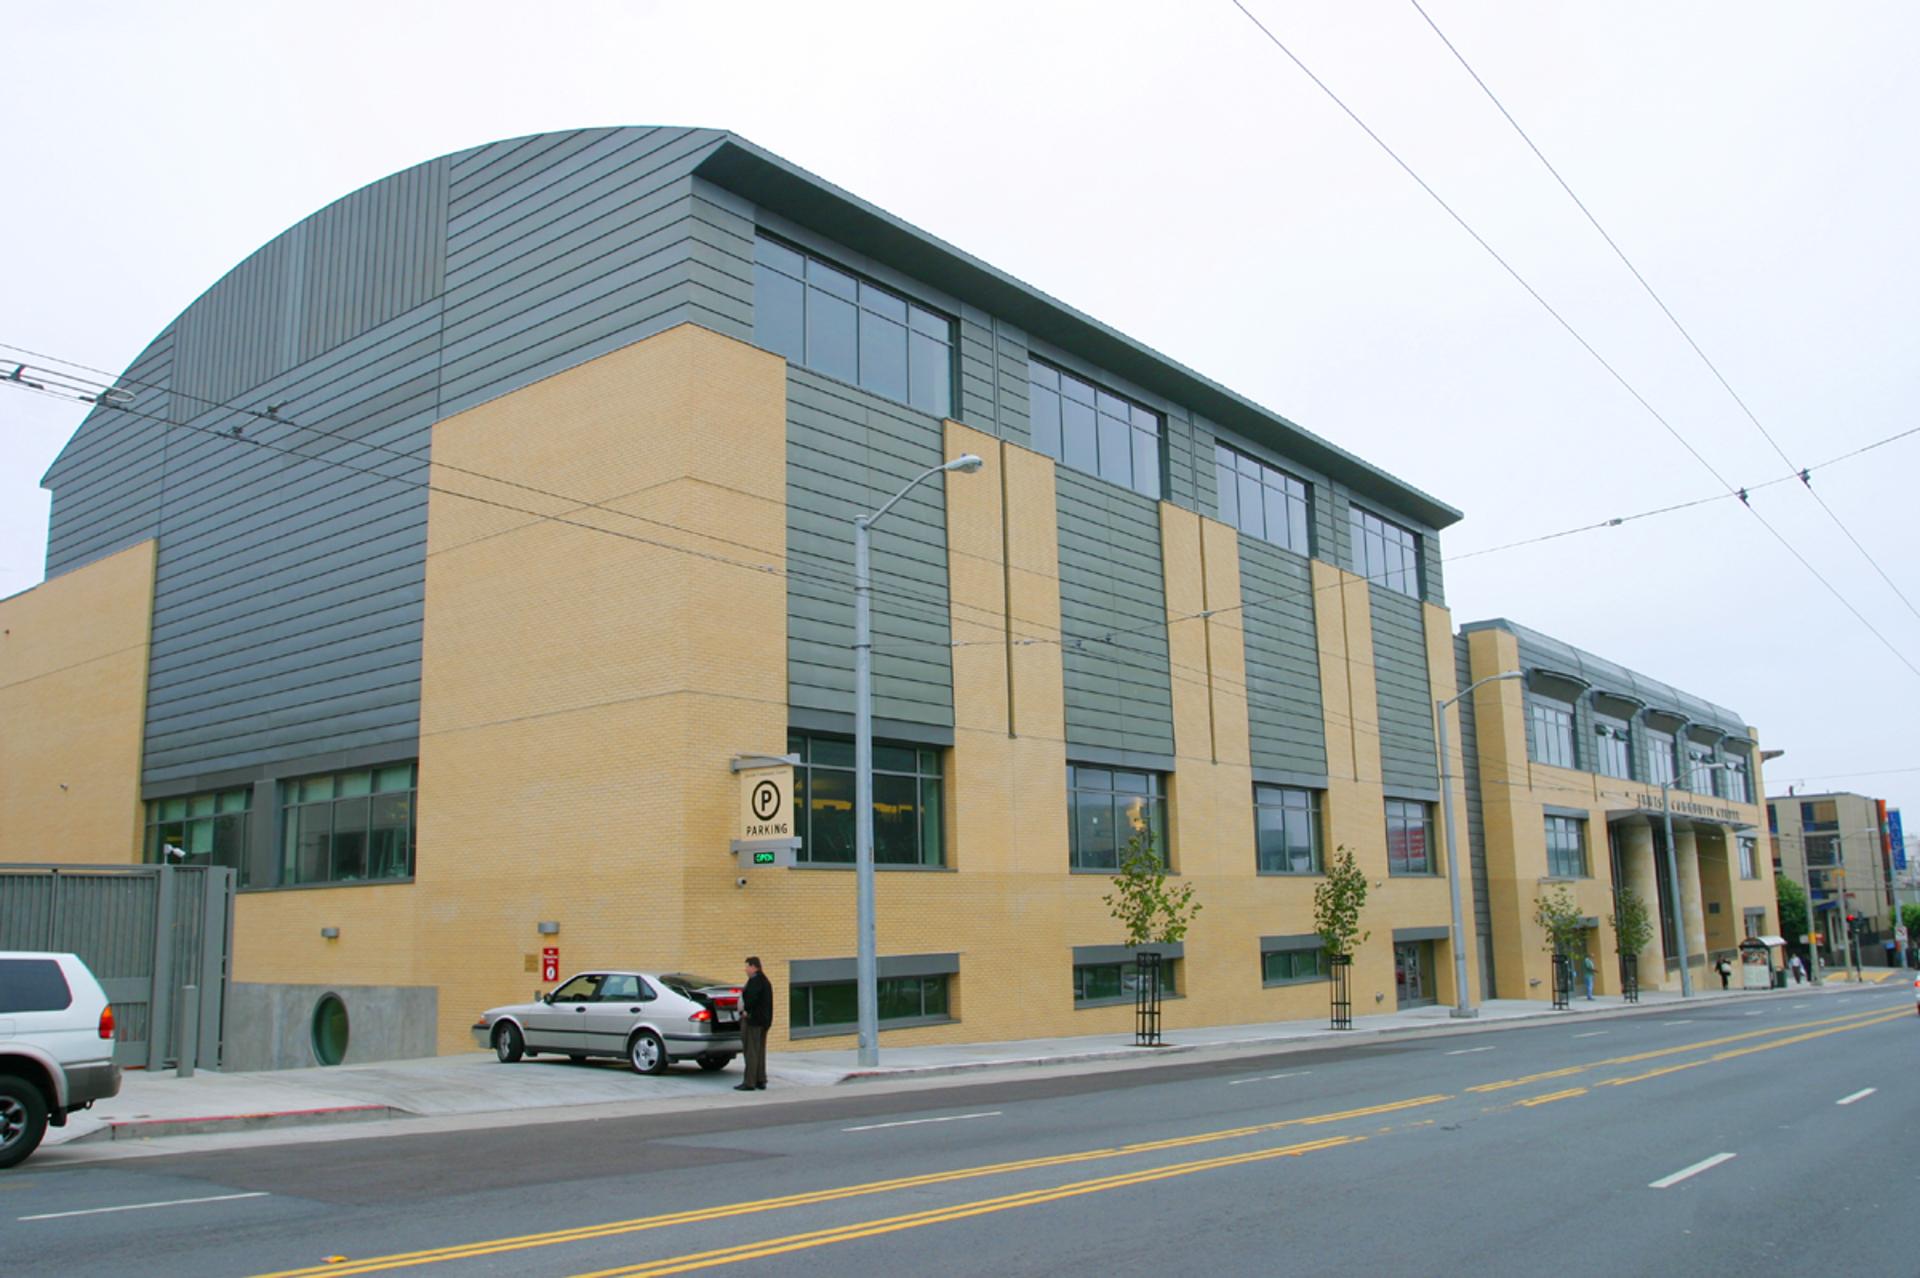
{"x":1779,"y":980}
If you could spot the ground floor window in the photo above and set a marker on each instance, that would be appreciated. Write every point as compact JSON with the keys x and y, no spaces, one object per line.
{"x":1096,"y":983}
{"x":349,"y":827}
{"x":1747,"y":868}
{"x":1290,"y":967}
{"x":920,"y":999}
{"x":1566,"y":848}
{"x":204,"y":829}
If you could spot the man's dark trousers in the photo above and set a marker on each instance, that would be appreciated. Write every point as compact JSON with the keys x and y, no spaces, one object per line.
{"x":756,"y":1043}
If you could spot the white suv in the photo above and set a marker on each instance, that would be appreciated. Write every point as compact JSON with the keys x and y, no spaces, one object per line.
{"x":56,"y":1046}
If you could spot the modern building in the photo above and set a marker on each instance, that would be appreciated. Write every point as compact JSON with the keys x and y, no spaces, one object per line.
{"x":1575,"y":771}
{"x":1837,"y":848}
{"x":434,"y":568}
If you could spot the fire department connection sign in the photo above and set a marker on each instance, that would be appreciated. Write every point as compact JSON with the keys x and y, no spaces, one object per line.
{"x":766,"y":805}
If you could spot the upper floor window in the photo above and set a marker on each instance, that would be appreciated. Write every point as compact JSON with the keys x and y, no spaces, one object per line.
{"x":1552,"y":732}
{"x":1108,"y":809}
{"x":1611,"y":754}
{"x":1409,"y":837}
{"x":207,"y":829}
{"x":1287,"y":829}
{"x":1748,"y":870}
{"x":1739,"y":786}
{"x":1261,"y":501}
{"x":348,"y":827}
{"x":1385,"y":553}
{"x":906,"y":802}
{"x":823,"y":318}
{"x":1566,"y":847}
{"x":1660,"y":757}
{"x":1822,"y":814}
{"x":1773,"y":819}
{"x":1700,"y":770}
{"x":1094,"y":430}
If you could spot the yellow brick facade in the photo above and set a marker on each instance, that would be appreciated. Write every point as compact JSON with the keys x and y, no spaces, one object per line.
{"x":73,"y":696}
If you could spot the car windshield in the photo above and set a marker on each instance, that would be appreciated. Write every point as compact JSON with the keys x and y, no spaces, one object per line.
{"x":687,"y":983}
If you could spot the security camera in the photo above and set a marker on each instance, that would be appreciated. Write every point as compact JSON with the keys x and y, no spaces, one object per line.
{"x":741,"y":881}
{"x":172,"y":853}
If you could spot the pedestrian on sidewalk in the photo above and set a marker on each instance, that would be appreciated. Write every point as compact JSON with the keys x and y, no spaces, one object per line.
{"x":756,"y":1018}
{"x":1798,"y":969}
{"x":1586,"y":969}
{"x":1726,"y":972}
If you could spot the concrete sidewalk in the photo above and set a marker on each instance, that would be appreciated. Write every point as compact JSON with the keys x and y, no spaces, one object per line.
{"x":154,"y":1106}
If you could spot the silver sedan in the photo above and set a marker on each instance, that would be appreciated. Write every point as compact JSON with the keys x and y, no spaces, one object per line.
{"x":651,"y":1019}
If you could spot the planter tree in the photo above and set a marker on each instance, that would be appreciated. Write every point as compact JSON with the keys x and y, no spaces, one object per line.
{"x":1560,"y":919}
{"x":1632,"y":932}
{"x":1151,"y":914}
{"x":1337,"y":903}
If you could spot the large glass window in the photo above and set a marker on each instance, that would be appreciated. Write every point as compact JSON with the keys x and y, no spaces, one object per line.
{"x":1660,"y":757}
{"x":1552,"y":731}
{"x":1093,"y":430}
{"x":348,"y":827}
{"x":1385,"y":553}
{"x":1748,"y":870}
{"x":207,"y":829}
{"x":901,"y":998}
{"x":1286,"y":829}
{"x":1566,"y":847}
{"x":1409,"y":837}
{"x":1700,"y":770}
{"x":1118,"y":982}
{"x":1612,"y":749}
{"x":906,"y":802}
{"x":823,"y":318}
{"x":1739,"y":784}
{"x":1289,"y":967}
{"x":1261,"y":501}
{"x":1107,"y":809}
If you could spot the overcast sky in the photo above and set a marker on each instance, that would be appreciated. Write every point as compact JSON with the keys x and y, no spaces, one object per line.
{"x":1166,"y":169}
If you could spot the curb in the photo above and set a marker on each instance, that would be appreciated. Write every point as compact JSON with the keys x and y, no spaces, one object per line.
{"x":146,"y":1128}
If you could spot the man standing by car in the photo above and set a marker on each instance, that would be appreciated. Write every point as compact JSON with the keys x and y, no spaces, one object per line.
{"x":756,"y":1018}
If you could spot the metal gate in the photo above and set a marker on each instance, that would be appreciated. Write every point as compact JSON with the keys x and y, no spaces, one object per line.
{"x":148,"y":932}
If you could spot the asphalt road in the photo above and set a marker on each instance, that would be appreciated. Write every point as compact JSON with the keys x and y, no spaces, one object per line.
{"x":1767,"y":1135}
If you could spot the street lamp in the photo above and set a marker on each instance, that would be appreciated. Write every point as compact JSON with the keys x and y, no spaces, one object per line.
{"x":1673,"y":876}
{"x":867,"y":965}
{"x":1462,"y":1001}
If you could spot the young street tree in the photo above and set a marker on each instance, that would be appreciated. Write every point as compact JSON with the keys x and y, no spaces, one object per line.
{"x":1140,"y":901}
{"x":1562,"y":921}
{"x":1792,"y":899}
{"x":1337,"y":903}
{"x":1632,"y":922}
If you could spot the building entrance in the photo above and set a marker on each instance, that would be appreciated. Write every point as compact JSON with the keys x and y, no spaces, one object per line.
{"x":1413,"y":973}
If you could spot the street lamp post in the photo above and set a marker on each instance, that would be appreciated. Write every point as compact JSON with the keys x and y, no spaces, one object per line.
{"x":867,"y":964}
{"x":1462,"y":1000}
{"x":1673,"y":878}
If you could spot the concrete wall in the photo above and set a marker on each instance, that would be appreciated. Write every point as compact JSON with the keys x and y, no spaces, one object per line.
{"x":271,"y":1026}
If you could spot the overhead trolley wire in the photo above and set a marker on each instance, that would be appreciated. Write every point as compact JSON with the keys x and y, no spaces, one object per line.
{"x":1664,"y":308}
{"x":1572,"y":332}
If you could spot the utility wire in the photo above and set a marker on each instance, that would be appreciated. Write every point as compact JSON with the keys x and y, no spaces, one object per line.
{"x":1662,"y":304}
{"x":1573,"y":332}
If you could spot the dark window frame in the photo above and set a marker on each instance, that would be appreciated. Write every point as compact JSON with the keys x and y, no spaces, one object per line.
{"x":1293,"y":976}
{"x":1567,"y":856}
{"x":803,"y":1003}
{"x":1398,"y":815}
{"x":1103,"y":412}
{"x":1126,"y":974}
{"x":1388,"y":554}
{"x":206,"y":817}
{"x":1236,"y":472}
{"x":1297,"y":805}
{"x":1086,"y":780}
{"x":295,"y":808}
{"x":929,"y":818}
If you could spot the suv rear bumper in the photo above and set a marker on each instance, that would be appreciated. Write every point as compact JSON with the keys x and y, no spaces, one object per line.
{"x":92,"y":1081}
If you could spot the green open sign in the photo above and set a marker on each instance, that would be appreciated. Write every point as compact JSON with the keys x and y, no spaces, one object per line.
{"x":766,"y":858}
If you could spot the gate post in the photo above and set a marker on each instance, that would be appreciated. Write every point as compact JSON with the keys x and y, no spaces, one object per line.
{"x":160,"y":1007}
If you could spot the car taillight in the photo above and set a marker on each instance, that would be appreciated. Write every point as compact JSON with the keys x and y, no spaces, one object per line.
{"x":106,"y":1021}
{"x":702,"y":1015}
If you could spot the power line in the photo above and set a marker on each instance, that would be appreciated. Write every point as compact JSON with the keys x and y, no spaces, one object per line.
{"x":1573,"y":332}
{"x":1664,"y":308}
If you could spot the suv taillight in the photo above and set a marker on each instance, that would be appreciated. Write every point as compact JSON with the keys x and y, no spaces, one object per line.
{"x":106,"y":1021}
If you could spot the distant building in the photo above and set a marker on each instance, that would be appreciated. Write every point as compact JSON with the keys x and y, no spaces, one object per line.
{"x":1835,"y":844}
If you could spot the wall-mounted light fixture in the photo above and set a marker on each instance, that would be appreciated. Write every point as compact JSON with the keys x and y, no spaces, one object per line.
{"x":550,"y":928}
{"x":331,"y":933}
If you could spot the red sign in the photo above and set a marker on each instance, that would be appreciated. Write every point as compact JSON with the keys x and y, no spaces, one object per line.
{"x":550,"y":963}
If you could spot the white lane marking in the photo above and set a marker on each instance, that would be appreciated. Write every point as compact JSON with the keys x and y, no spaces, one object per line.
{"x":1705,"y":1164}
{"x":1591,"y":1034}
{"x":177,"y":1202}
{"x":1798,"y":1006}
{"x":1298,"y":1073}
{"x":1750,"y":1013}
{"x":1860,"y":1095}
{"x":915,"y":1122}
{"x":1468,"y":1051}
{"x":1676,"y":1022}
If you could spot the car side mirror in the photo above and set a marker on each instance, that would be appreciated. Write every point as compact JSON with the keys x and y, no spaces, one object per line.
{"x":545,"y":998}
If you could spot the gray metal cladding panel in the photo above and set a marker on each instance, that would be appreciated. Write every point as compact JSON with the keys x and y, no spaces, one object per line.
{"x":847,"y":452}
{"x":351,"y":267}
{"x":106,"y":481}
{"x":1011,"y":369}
{"x":1285,"y":722}
{"x":1113,"y":618}
{"x":1405,"y":693}
{"x":1469,"y":738}
{"x":291,"y":577}
{"x":1433,"y":569}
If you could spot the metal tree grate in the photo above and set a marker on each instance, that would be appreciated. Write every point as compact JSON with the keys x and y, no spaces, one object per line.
{"x":1146,"y":999}
{"x":1340,"y":965}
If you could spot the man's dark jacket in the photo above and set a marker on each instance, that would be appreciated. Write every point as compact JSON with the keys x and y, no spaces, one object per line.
{"x":756,"y":1000}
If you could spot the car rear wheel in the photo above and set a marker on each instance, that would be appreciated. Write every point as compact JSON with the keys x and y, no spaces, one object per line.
{"x":713,"y":1062}
{"x":508,"y":1045}
{"x":23,"y":1119}
{"x":647,"y":1053}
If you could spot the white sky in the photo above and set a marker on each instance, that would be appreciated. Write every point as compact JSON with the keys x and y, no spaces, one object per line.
{"x":1165,"y":169}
